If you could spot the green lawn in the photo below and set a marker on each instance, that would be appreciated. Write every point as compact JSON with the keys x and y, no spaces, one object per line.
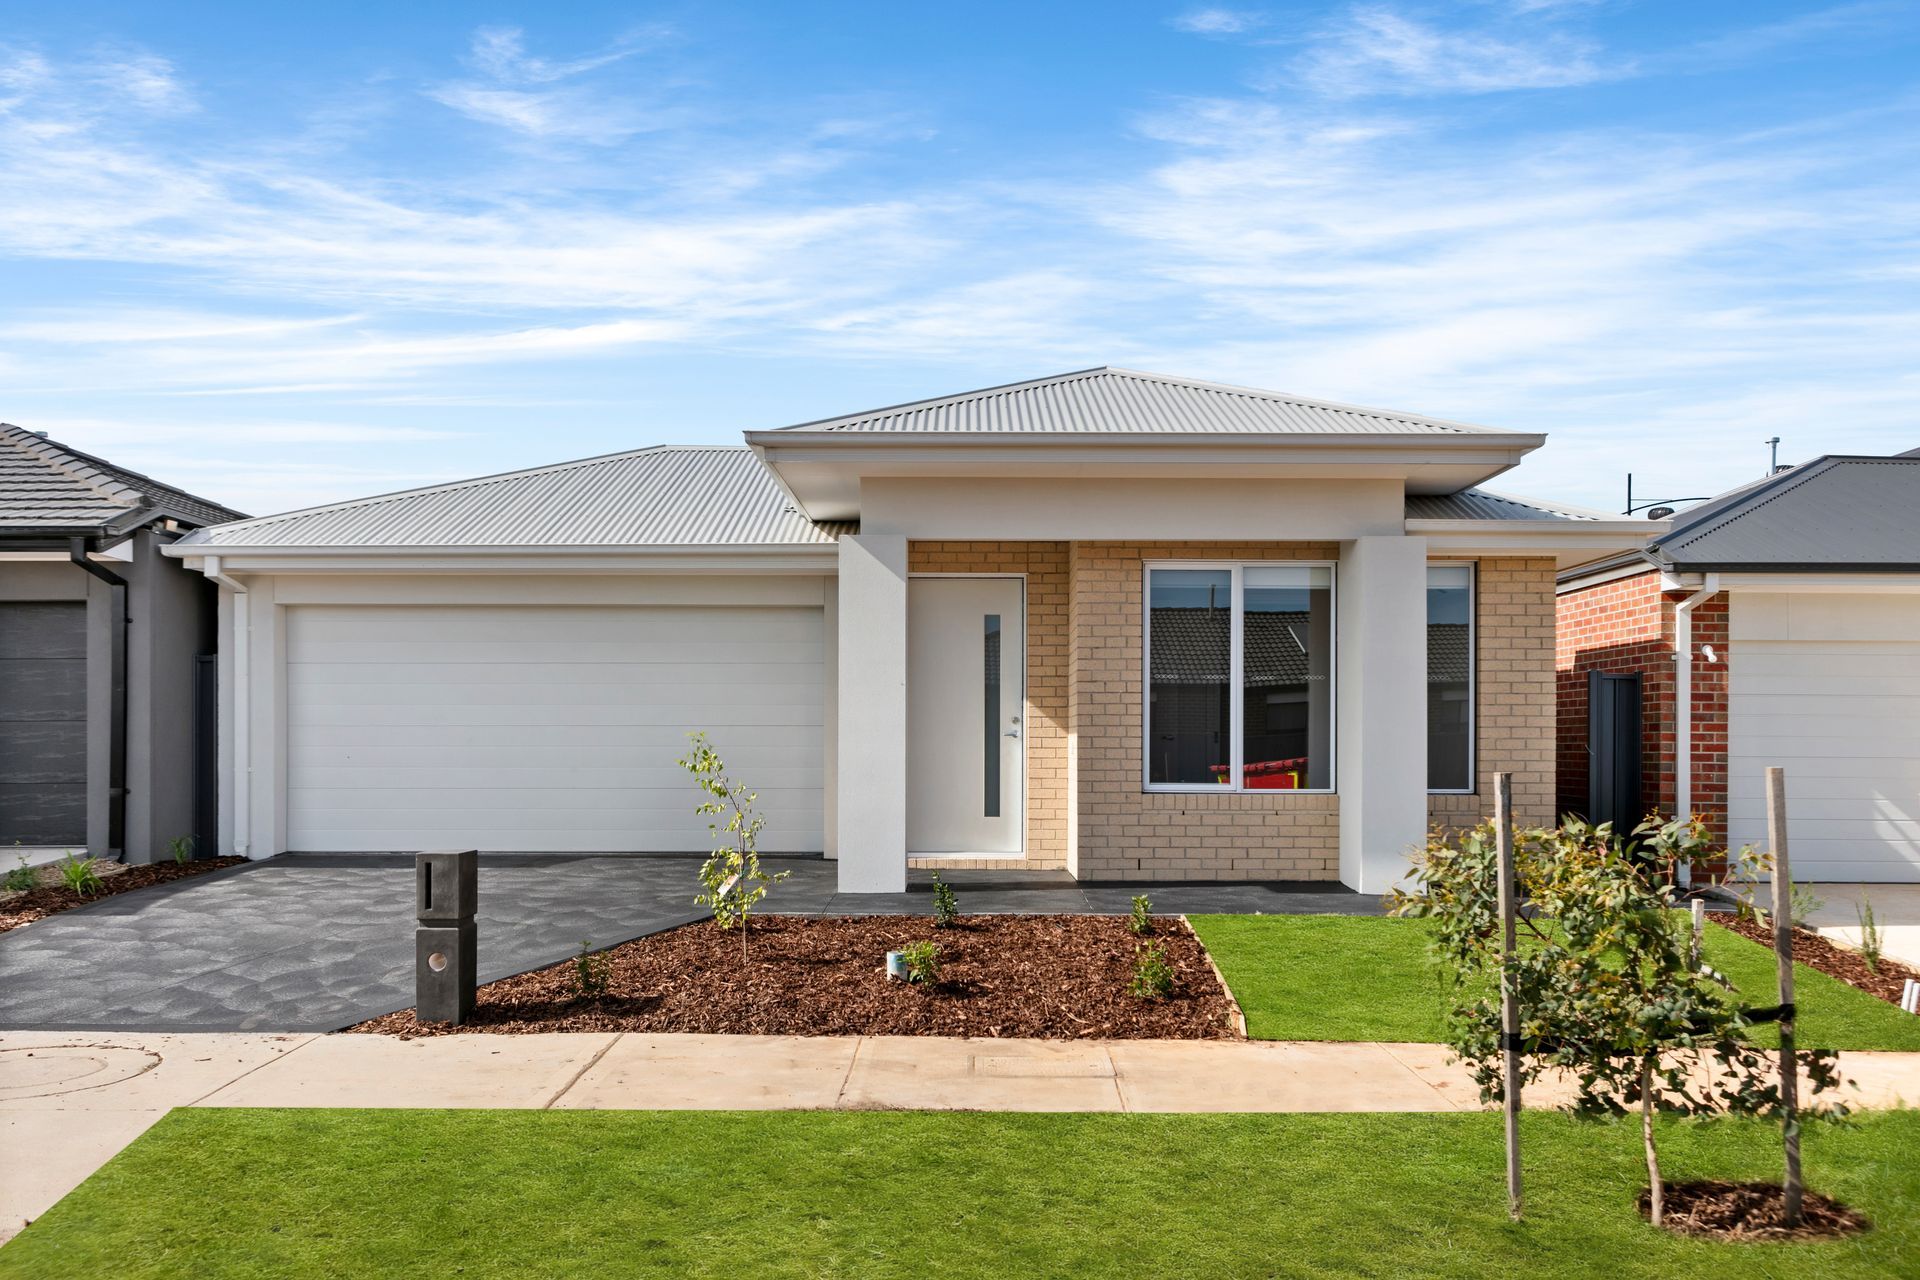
{"x":218,"y":1193}
{"x":1368,"y":978}
{"x":1328,"y":977}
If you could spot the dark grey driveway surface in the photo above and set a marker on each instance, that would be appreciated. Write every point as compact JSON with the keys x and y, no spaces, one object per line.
{"x":312,"y":942}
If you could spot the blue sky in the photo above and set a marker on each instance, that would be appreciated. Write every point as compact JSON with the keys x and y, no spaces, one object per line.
{"x":291,"y":254}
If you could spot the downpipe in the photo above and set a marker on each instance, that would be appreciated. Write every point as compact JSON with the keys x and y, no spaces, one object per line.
{"x":1683,"y":705}
{"x":242,"y":615}
{"x":119,"y":620}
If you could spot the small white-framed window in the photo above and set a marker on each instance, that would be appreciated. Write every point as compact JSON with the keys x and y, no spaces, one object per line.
{"x":1239,"y":676}
{"x":1451,"y":659}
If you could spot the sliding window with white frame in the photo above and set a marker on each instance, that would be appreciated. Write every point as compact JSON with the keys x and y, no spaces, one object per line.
{"x":1239,"y":677}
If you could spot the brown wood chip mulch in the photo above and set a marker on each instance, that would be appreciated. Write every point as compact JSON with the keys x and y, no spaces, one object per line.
{"x":1816,"y":952}
{"x":1049,"y":977}
{"x":1750,"y":1211}
{"x":23,"y":908}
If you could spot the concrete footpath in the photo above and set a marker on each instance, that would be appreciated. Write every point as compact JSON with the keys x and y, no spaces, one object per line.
{"x":70,"y":1101}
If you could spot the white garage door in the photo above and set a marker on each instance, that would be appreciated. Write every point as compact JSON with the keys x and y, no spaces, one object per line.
{"x":536,"y":729}
{"x":1828,"y":687}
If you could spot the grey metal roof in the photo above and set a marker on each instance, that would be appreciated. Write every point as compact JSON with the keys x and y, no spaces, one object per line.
{"x":46,"y":485}
{"x":704,"y":495}
{"x":1107,"y":400}
{"x":1483,"y":504}
{"x":1834,"y":514}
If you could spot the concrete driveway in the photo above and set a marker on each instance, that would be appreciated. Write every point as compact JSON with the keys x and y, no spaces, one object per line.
{"x":316,"y":942}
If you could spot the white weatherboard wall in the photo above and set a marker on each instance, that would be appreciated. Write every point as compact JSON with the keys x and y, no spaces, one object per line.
{"x":1827,"y":686}
{"x":401,"y":712}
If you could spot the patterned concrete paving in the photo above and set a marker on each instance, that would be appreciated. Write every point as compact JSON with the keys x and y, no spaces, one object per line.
{"x":315,"y":942}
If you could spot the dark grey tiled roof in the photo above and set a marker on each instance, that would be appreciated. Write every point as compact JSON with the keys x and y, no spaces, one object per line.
{"x":1190,"y":647}
{"x":46,"y":484}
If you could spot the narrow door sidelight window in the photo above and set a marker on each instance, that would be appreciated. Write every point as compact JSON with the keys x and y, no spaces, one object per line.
{"x":992,"y":649}
{"x":1450,"y":661}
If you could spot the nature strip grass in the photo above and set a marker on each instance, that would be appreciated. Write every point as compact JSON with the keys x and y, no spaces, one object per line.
{"x":317,"y":1193}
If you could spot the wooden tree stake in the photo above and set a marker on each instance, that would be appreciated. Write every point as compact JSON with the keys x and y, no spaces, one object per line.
{"x":1509,"y":998}
{"x":1699,"y":931}
{"x":1783,"y":951}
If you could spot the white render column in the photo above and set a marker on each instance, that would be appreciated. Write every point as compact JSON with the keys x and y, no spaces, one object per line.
{"x":1382,"y":715}
{"x":871,"y":763}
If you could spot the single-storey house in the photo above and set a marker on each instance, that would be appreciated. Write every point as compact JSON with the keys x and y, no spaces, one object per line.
{"x":1777,"y":624}
{"x":1130,"y":626}
{"x":106,"y":678}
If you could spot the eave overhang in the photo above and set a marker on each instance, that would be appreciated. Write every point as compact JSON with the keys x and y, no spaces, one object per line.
{"x":822,"y":470}
{"x":1569,"y":542}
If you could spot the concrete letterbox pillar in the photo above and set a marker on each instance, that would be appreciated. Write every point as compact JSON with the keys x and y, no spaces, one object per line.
{"x":446,"y":893}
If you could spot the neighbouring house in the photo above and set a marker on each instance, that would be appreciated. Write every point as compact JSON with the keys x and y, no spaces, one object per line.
{"x":1130,"y":626}
{"x":106,"y":680}
{"x":1778,"y":624}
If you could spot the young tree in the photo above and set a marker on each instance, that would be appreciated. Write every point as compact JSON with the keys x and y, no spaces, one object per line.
{"x":731,"y":875}
{"x":1607,"y":987}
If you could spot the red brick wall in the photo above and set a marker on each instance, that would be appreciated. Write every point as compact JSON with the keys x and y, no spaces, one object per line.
{"x":1626,"y":625}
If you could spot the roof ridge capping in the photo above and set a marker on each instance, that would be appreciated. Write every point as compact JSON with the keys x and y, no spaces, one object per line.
{"x":842,"y":423}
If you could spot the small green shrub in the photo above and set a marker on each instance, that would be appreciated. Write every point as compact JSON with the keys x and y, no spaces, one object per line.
{"x":1152,"y":975}
{"x":20,"y":878}
{"x":946,"y":907}
{"x":923,"y":962}
{"x":591,"y":971}
{"x":181,"y":847}
{"x":80,"y":874}
{"x":1870,"y":939}
{"x":1140,"y":919}
{"x":1801,"y":904}
{"x":731,"y":875}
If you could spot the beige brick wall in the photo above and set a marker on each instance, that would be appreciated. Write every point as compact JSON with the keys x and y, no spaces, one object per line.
{"x":1513,"y":693}
{"x":1084,"y":671}
{"x":1126,"y":833}
{"x":1045,"y":717}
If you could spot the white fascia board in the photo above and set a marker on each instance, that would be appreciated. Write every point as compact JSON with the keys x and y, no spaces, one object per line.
{"x":756,"y":559}
{"x":1816,"y":583}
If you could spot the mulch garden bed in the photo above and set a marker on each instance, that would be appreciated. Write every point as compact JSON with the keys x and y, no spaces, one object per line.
{"x":1047,"y":977}
{"x":1750,"y":1211}
{"x":23,"y":907}
{"x":1814,"y":951}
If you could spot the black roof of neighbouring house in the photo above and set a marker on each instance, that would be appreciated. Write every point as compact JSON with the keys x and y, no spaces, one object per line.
{"x":50,"y":489}
{"x":1840,"y":513}
{"x":1190,"y":647}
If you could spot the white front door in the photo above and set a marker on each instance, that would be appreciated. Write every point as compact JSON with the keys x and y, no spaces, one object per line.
{"x":966,"y":686}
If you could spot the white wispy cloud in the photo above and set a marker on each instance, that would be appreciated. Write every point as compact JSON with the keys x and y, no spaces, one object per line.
{"x":1375,"y":50}
{"x":522,"y":92}
{"x":1218,"y":22}
{"x":1609,"y":286}
{"x":145,"y":79}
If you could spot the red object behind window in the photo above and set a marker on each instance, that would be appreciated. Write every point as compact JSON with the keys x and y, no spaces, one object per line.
{"x":1265,"y":775}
